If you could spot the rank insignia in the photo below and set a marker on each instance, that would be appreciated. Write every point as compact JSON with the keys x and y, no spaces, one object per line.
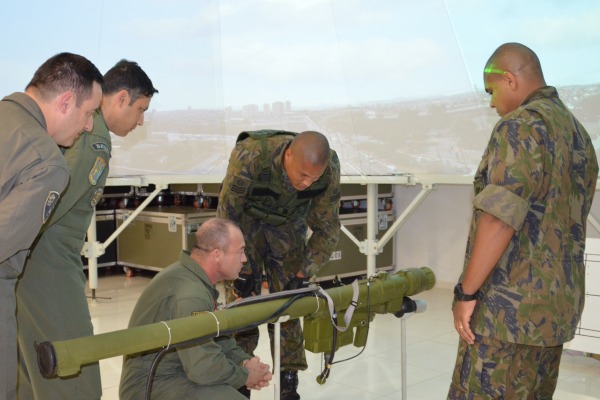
{"x":96,"y":196}
{"x":51,"y":201}
{"x":101,"y":147}
{"x":97,"y":170}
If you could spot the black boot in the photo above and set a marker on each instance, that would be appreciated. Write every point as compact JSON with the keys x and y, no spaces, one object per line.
{"x":245,"y":391}
{"x":289,"y":385}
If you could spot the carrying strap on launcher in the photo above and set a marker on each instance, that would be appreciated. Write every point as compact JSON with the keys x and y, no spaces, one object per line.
{"x":349,"y":311}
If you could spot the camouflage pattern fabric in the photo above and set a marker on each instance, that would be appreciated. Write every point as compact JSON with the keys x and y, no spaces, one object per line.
{"x":281,"y":251}
{"x":538,"y":174}
{"x":493,"y":369}
{"x":322,"y":216}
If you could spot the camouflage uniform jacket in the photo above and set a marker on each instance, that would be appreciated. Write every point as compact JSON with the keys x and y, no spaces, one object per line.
{"x":322,"y":214}
{"x":538,"y":174}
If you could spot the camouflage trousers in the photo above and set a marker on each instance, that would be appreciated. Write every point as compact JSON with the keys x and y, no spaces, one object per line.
{"x":279,"y":252}
{"x":493,"y":369}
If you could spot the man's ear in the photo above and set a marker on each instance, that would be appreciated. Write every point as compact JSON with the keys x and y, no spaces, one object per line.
{"x":217,"y":253}
{"x":287,"y":157}
{"x":510,"y":79}
{"x":123,"y":97}
{"x":65,"y":101}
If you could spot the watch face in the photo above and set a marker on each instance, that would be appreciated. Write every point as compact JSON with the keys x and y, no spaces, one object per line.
{"x":461,"y":296}
{"x":457,"y":289}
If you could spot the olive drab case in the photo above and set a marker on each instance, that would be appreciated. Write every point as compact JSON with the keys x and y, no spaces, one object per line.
{"x":346,"y":260}
{"x":155,"y":238}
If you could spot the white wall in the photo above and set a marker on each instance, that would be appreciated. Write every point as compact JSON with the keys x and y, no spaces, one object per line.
{"x":435,"y":235}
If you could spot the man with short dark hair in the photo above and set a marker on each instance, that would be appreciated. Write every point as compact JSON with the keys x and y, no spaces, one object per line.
{"x":521,"y":293}
{"x":51,"y":300}
{"x":212,"y":369}
{"x":56,"y":107}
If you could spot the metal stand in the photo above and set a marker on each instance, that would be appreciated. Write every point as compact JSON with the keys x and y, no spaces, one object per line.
{"x":371,"y":246}
{"x":277,"y":355}
{"x":409,"y":308}
{"x":403,"y":378}
{"x":92,"y":250}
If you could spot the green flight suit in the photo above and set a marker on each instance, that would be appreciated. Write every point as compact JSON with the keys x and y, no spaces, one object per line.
{"x":51,"y":298}
{"x":33,"y":173}
{"x":208,"y":370}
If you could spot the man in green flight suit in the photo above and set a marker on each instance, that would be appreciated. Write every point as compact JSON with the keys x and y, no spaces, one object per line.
{"x":55,"y":108}
{"x":211,"y":369}
{"x":51,"y":298}
{"x":278,"y":185}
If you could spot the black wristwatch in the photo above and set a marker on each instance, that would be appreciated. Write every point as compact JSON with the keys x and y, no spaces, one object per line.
{"x":459,"y":295}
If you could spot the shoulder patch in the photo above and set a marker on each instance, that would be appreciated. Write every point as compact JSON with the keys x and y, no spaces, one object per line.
{"x":96,"y":196}
{"x":240,"y":185}
{"x":196,"y":313}
{"x":49,"y":205}
{"x":99,"y":146}
{"x":96,"y":171}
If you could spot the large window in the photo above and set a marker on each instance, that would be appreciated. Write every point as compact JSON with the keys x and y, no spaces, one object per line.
{"x":396,"y":85}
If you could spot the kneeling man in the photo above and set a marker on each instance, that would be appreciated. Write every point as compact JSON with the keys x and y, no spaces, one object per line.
{"x":210,"y":370}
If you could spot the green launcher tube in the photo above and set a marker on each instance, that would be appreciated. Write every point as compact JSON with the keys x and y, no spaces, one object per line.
{"x":385,"y":293}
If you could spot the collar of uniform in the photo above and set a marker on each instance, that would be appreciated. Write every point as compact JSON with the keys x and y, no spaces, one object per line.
{"x":285,"y":180}
{"x":545,"y":92}
{"x":29,"y":105}
{"x":98,"y":113}
{"x":188,"y":263}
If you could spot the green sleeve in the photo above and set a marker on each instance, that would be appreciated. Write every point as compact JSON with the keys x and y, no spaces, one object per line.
{"x":515,"y":171}
{"x":240,"y":171}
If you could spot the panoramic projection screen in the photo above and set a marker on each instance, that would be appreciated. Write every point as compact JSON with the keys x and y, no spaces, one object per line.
{"x":396,"y":85}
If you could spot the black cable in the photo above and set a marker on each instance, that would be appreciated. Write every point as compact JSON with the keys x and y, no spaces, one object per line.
{"x":161,"y":353}
{"x":329,"y":358}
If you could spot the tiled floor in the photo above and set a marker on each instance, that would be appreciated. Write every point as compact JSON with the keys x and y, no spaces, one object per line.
{"x":374,"y":374}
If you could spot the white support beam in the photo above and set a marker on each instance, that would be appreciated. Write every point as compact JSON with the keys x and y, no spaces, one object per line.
{"x":404,"y":216}
{"x":99,"y":249}
{"x":371,"y":246}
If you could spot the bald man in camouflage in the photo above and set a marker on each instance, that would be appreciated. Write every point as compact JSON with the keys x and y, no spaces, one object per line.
{"x":278,"y":185}
{"x":521,"y":293}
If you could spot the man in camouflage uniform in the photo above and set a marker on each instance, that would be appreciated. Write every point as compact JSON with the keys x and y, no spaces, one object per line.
{"x":279,"y":184}
{"x":522,"y":288}
{"x":51,"y":300}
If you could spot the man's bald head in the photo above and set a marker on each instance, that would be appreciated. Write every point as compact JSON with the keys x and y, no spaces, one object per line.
{"x":215,"y":233}
{"x":517,"y":59}
{"x":219,"y":249}
{"x":306,"y":159}
{"x":510,"y":75}
{"x":311,"y":147}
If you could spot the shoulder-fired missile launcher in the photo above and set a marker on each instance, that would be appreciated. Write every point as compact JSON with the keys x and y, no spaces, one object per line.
{"x":380,"y":294}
